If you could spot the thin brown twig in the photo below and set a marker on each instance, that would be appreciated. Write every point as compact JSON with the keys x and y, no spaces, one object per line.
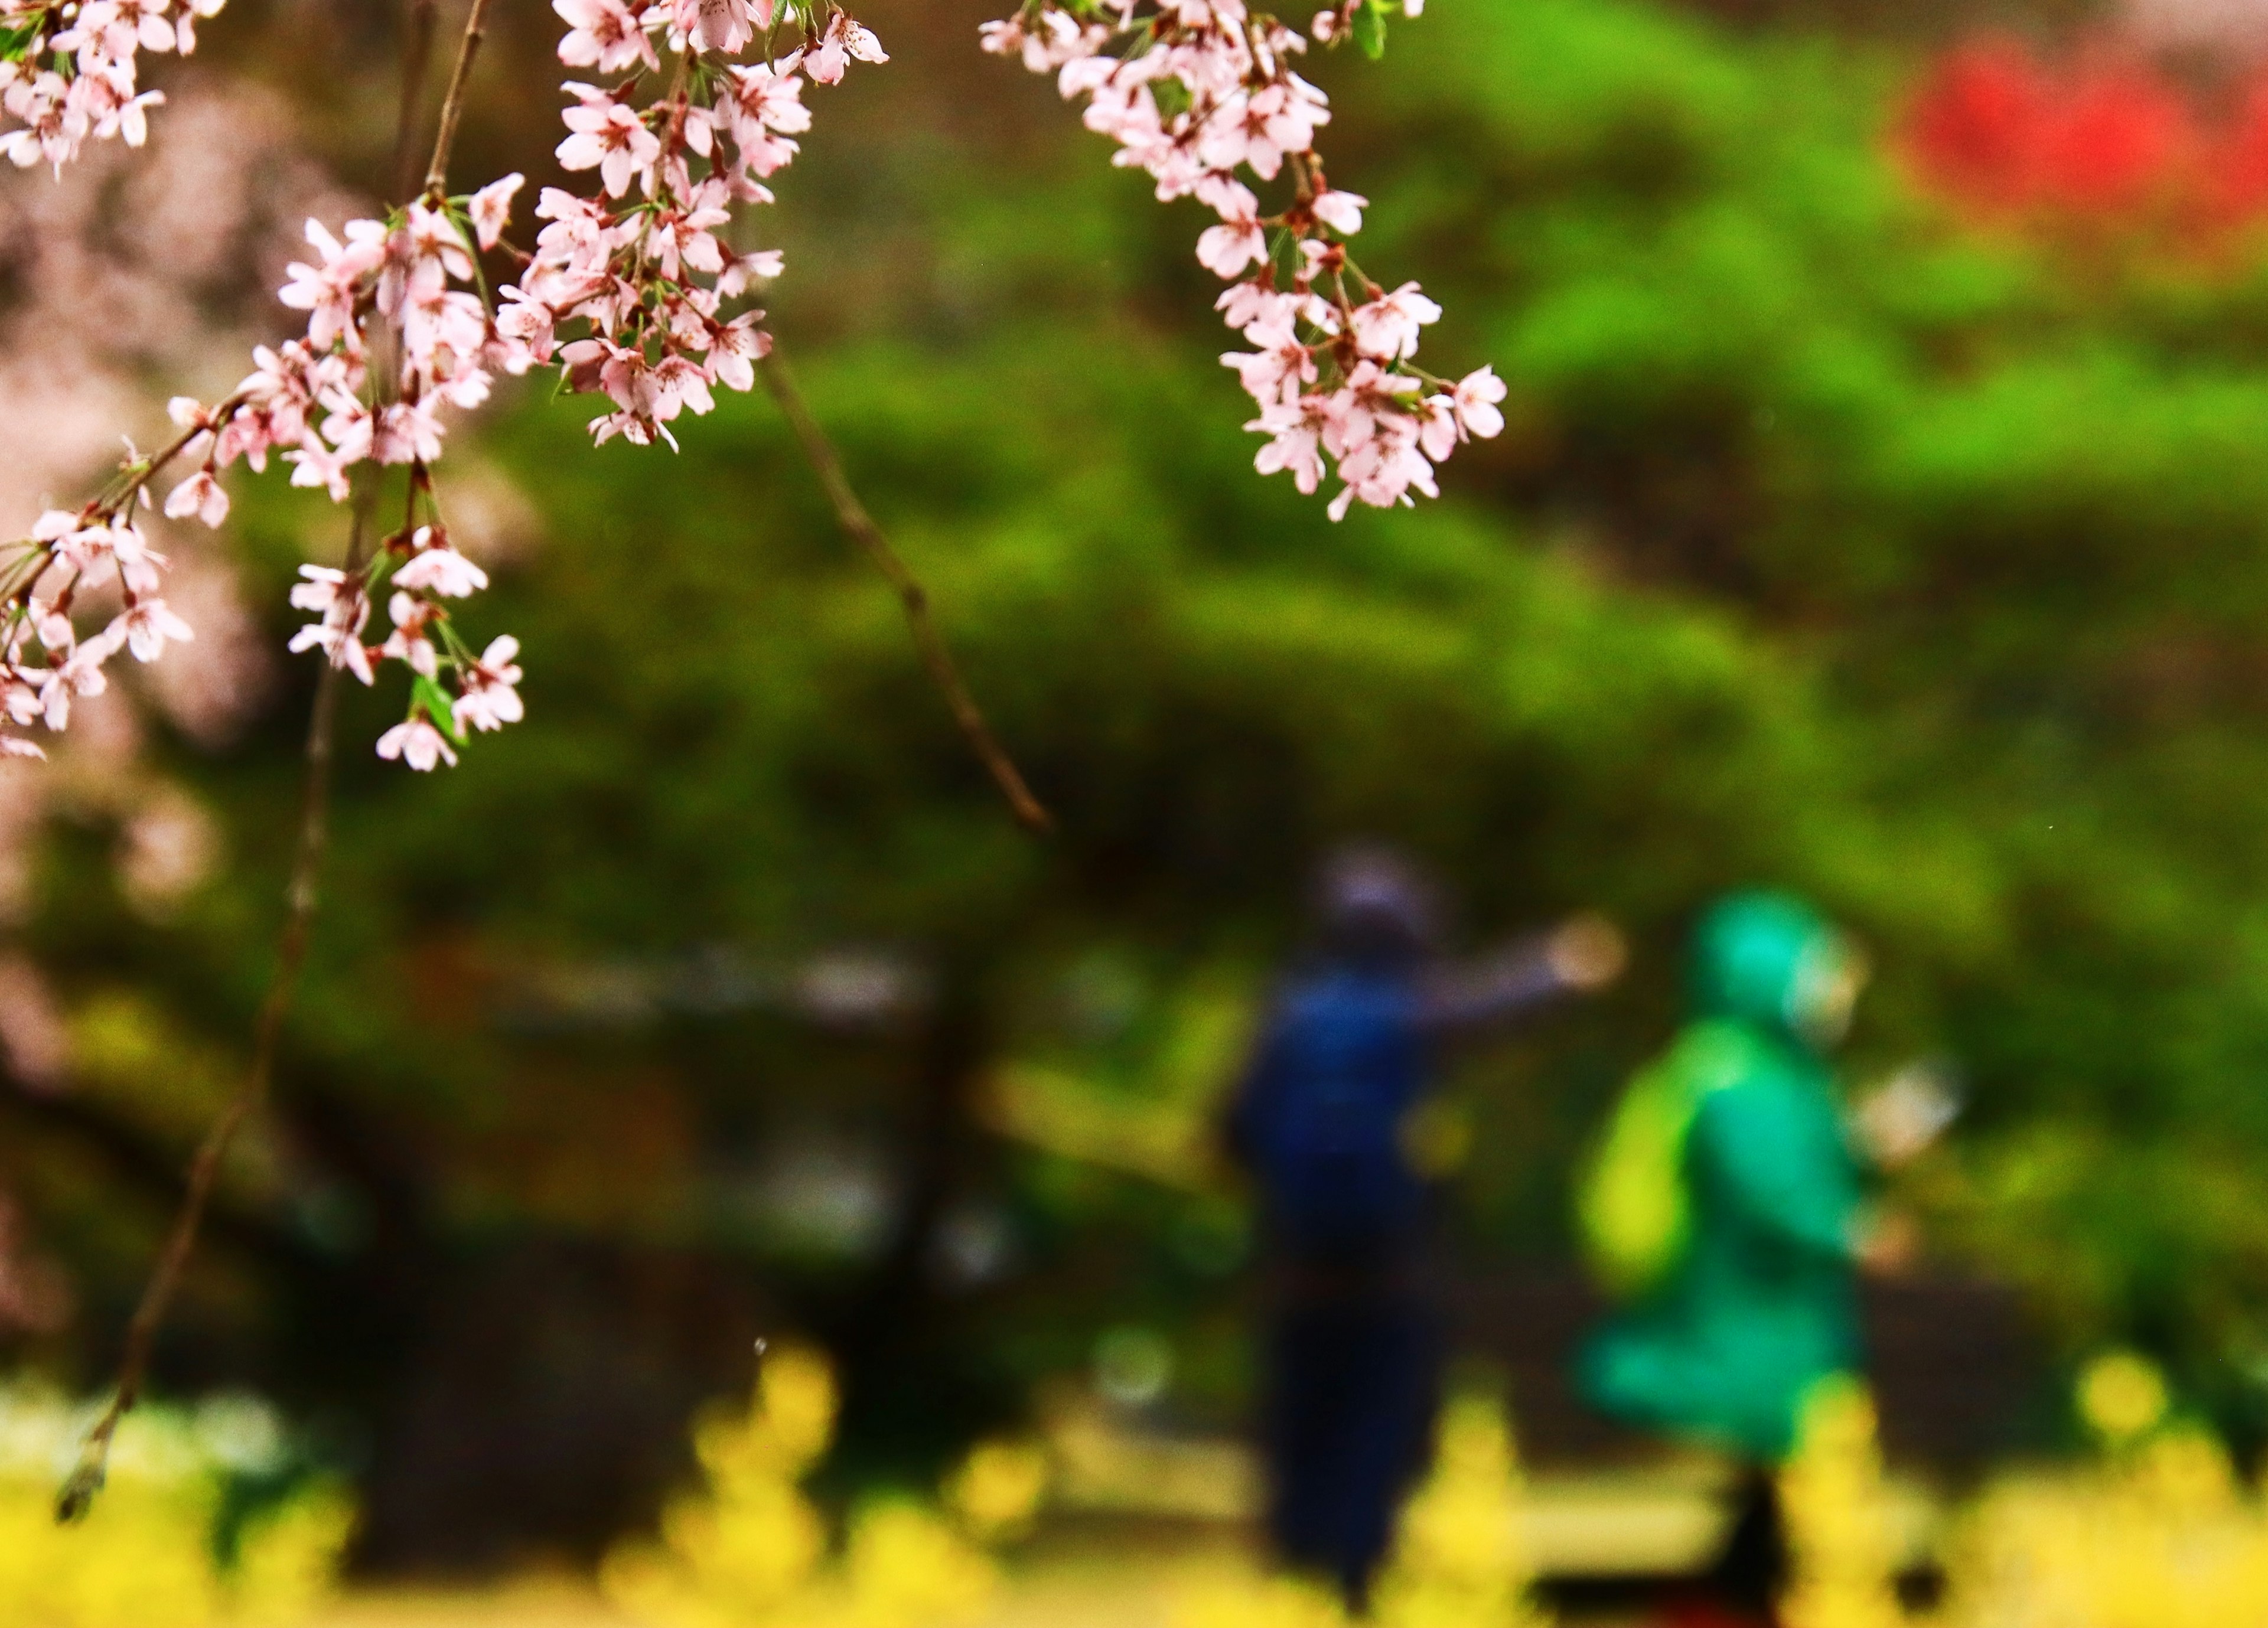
{"x":851,"y":515}
{"x":452,"y":104}
{"x":301,"y":894}
{"x":77,"y":1494}
{"x":416,"y":54}
{"x":138,"y":474}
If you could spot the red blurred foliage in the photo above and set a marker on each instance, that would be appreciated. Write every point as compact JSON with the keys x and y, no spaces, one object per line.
{"x":2109,"y":144}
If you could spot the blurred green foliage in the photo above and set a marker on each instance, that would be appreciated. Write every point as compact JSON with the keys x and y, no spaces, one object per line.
{"x":1831,"y":546}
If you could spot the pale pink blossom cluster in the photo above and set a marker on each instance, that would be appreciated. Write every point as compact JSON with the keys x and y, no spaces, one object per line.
{"x":397,"y":331}
{"x":1201,"y":94}
{"x":424,"y":571}
{"x":400,"y":330}
{"x":68,"y":71}
{"x":95,"y":557}
{"x":639,"y":267}
{"x":634,"y":291}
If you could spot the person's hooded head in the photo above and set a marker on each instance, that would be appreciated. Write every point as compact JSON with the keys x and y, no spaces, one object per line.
{"x":1375,"y":911}
{"x":1770,"y":960}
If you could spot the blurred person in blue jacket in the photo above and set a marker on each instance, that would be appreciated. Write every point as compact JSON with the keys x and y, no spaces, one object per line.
{"x":1352,"y":1351}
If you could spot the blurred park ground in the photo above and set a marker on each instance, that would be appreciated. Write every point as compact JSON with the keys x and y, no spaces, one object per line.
{"x":1883,"y":515}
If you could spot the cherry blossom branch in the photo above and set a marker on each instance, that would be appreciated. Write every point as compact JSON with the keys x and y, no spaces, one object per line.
{"x":859,"y":525}
{"x":142,"y":471}
{"x":69,"y":552}
{"x":303,"y":892}
{"x":630,"y":288}
{"x":1200,"y":94}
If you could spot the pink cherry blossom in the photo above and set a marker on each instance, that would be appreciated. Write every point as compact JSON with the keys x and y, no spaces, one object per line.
{"x":724,"y":25}
{"x":843,"y":42}
{"x":80,"y":675}
{"x":200,"y":495}
{"x":137,"y":564}
{"x":146,"y":624}
{"x":321,"y":589}
{"x":1295,"y":444}
{"x":315,"y":464}
{"x":1247,"y":303}
{"x":344,"y":609}
{"x":1475,"y":402}
{"x":490,"y":699}
{"x":328,"y":291}
{"x":1340,"y":211}
{"x":605,"y":35}
{"x":411,"y":642}
{"x":1388,"y":327}
{"x":738,"y":345}
{"x":417,"y":744}
{"x":342,"y":645}
{"x":439,"y":568}
{"x":1228,"y":248}
{"x":763,"y":266}
{"x":491,"y":208}
{"x":1438,"y":432}
{"x":610,"y":138}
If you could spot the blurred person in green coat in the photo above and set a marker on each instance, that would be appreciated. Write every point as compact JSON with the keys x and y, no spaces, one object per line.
{"x":1724,"y":1211}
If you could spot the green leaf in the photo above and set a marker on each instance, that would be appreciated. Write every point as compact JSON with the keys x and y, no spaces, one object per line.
{"x":1370,"y":29}
{"x":16,"y":43}
{"x":426,"y":693}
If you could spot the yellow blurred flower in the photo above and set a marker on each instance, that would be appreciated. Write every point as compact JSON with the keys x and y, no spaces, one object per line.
{"x":1842,"y":1541}
{"x":998,"y":1490}
{"x":2160,"y":1535}
{"x":2121,"y":1396}
{"x":906,"y":1567}
{"x":748,"y":1550}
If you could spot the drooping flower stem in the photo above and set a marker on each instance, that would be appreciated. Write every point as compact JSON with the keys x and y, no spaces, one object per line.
{"x":417,"y":52}
{"x":303,"y":891}
{"x":860,"y":526}
{"x":452,"y":104}
{"x":300,"y":896}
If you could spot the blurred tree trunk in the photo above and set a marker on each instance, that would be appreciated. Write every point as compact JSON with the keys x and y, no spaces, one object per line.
{"x":890,"y":1338}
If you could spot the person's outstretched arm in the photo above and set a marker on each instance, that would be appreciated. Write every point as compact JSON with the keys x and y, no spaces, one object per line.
{"x":1583,"y":954}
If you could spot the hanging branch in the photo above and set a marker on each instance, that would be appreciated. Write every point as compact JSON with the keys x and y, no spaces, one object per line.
{"x":416,"y":55}
{"x":859,"y":525}
{"x":452,"y":104}
{"x":301,"y":894}
{"x":86,"y":1479}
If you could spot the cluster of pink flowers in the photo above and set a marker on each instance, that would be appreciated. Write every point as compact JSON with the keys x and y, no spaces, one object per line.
{"x":1200,"y":94}
{"x":400,"y":330}
{"x":99,"y":557}
{"x":70,"y":71}
{"x":424,"y":571}
{"x":397,"y":330}
{"x":639,"y":268}
{"x":634,"y":293}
